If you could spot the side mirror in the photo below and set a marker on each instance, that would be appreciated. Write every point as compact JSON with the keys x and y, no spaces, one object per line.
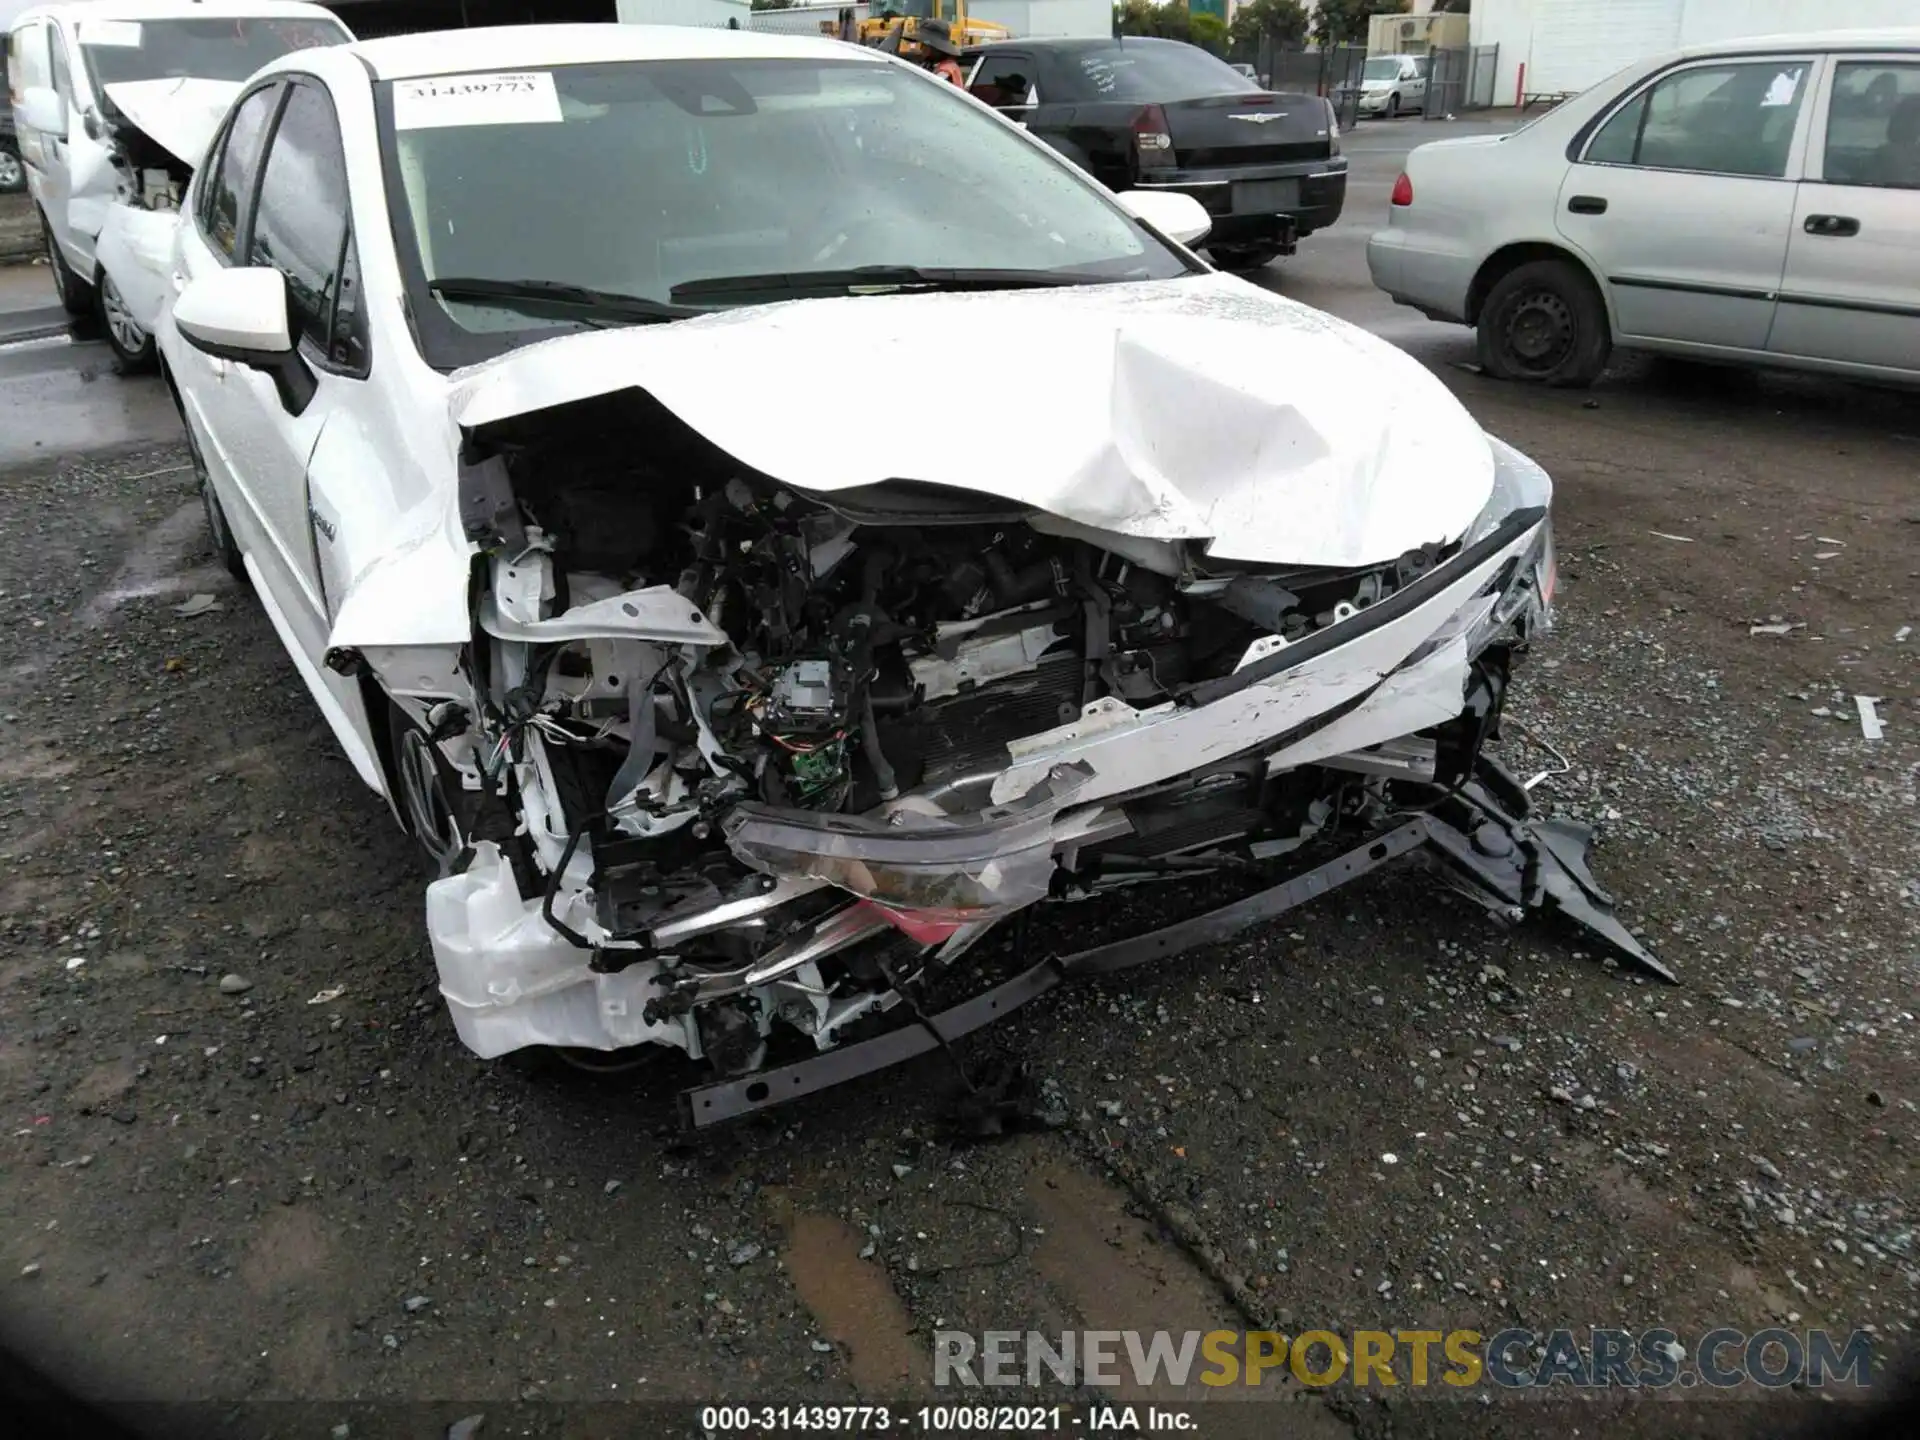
{"x":1180,"y":218}
{"x":240,"y":314}
{"x":42,"y":109}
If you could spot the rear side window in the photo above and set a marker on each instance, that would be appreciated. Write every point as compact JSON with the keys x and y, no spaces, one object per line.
{"x":230,"y":191}
{"x":57,"y":53}
{"x":300,"y":223}
{"x":1873,"y":126}
{"x":1004,"y":80}
{"x":1732,"y":119}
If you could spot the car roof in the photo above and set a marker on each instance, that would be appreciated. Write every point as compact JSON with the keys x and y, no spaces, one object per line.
{"x":542,"y":47}
{"x":1081,"y":44}
{"x":74,"y":10}
{"x":1884,"y":38}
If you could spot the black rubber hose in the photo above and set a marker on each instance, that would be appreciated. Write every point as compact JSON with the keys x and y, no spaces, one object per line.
{"x":870,"y":743}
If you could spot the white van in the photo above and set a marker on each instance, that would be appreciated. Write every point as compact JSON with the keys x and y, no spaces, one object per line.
{"x":114,"y":104}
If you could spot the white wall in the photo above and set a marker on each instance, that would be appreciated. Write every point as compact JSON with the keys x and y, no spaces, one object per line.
{"x":1518,"y":28}
{"x":1084,"y":18}
{"x":711,"y":13}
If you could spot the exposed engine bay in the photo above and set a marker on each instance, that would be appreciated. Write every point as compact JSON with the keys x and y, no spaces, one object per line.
{"x":729,"y":761}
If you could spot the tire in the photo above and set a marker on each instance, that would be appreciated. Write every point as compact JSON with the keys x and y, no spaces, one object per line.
{"x":132,"y":347}
{"x":75,"y":294}
{"x":1245,"y":259}
{"x":439,"y":812}
{"x":13,"y":174}
{"x":1544,"y":322}
{"x":1393,"y":106}
{"x":218,"y":531}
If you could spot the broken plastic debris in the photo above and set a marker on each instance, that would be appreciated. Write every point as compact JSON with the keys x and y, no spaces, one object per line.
{"x":1900,"y":635}
{"x":1779,"y":629}
{"x":1825,"y":554}
{"x":196,"y":605}
{"x":76,"y":962}
{"x":1870,"y":725}
{"x":1661,"y":534}
{"x":1829,"y":540}
{"x":328,"y":995}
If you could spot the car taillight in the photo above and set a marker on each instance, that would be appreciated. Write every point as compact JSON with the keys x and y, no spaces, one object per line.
{"x":1333,"y":127}
{"x":1403,"y":190}
{"x":1151,"y":142}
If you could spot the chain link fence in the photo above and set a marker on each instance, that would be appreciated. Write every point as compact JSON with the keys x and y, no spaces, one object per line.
{"x":1461,"y":79}
{"x":834,"y":21}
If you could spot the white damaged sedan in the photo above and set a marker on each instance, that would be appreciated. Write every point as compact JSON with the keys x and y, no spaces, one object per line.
{"x":763,"y":521}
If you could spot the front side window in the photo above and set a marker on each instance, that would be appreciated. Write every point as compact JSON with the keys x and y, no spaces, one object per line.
{"x":116,"y":51}
{"x":300,"y":222}
{"x":231,"y":189}
{"x":29,"y":67}
{"x":1873,"y":126}
{"x":62,"y":76}
{"x":1004,"y":80}
{"x":1731,"y":119}
{"x":669,"y":182}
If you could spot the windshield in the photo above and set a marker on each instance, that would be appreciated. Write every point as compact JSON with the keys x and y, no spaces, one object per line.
{"x":915,"y":9}
{"x":642,"y":179}
{"x":223,"y":49}
{"x":1157,"y":71}
{"x":1381,"y":70}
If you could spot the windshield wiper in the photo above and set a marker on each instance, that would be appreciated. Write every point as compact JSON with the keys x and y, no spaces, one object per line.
{"x":549,"y":294}
{"x":878,"y":279}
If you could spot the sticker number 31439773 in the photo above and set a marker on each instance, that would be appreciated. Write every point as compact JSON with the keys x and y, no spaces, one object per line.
{"x":521,"y":97}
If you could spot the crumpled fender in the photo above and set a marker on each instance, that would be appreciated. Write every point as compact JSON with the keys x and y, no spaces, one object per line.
{"x":136,"y":249}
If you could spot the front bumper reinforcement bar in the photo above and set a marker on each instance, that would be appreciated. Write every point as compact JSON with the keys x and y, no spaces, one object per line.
{"x":1511,"y":866}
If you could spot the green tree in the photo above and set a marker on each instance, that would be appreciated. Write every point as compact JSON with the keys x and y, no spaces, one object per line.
{"x":1283,"y":21}
{"x":773,"y":4}
{"x":1344,"y":22}
{"x":1209,"y":32}
{"x":1144,"y":17}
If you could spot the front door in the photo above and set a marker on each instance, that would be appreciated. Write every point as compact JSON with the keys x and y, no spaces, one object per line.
{"x":1851,"y":292}
{"x":1684,"y":197}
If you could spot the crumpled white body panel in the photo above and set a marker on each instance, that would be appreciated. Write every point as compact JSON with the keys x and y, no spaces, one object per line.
{"x":136,"y":249}
{"x":180,"y":114}
{"x":1202,"y":408}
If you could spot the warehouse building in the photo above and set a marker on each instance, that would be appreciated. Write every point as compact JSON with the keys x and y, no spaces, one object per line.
{"x":1560,"y":47}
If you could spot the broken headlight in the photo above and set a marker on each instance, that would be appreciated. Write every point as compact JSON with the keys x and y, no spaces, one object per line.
{"x":1526,"y":596}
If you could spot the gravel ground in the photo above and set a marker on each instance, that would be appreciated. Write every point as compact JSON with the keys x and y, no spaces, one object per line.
{"x":238,"y":1124}
{"x":19,"y":229}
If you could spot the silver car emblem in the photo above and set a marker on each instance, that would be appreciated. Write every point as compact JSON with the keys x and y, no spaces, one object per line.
{"x":1260,"y":117}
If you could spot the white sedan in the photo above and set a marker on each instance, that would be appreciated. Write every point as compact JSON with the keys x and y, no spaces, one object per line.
{"x":580,"y":403}
{"x":1753,"y":202}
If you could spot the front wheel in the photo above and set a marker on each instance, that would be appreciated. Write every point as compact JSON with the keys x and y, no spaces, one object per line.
{"x":1393,"y":106}
{"x":132,"y":346}
{"x":1544,"y":322}
{"x":13,"y":174}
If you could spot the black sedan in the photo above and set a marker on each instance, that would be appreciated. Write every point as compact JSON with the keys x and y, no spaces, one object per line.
{"x":1143,"y":114}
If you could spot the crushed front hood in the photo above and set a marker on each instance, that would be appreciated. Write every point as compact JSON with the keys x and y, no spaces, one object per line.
{"x":1202,"y":408}
{"x":180,"y":114}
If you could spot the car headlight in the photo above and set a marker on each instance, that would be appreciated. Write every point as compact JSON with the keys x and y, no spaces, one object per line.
{"x":1527,"y":596}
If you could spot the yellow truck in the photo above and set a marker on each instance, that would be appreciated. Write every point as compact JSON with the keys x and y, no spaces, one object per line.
{"x":885,"y":17}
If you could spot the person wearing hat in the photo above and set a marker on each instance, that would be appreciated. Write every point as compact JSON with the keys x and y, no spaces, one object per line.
{"x":935,"y":37}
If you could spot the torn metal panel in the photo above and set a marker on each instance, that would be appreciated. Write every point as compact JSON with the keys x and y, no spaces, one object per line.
{"x":136,"y":249}
{"x":1321,"y":444}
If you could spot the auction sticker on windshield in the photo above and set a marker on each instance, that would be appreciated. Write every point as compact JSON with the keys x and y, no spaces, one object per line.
{"x":118,"y":34}
{"x":521,"y":97}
